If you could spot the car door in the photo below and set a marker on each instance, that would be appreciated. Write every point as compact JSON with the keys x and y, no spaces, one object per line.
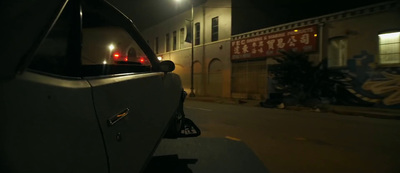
{"x":48,"y":120}
{"x":49,"y":125}
{"x":134,"y":104}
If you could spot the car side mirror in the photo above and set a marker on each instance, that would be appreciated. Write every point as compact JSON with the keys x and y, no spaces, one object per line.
{"x":167,"y":66}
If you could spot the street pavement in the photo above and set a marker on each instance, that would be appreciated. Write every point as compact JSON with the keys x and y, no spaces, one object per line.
{"x":301,"y":140}
{"x":343,"y":110}
{"x":202,"y":154}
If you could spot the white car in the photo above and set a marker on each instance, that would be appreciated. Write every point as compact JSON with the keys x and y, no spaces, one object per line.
{"x":68,"y":104}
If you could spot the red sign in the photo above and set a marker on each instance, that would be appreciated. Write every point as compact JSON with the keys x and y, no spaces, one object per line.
{"x":298,"y":40}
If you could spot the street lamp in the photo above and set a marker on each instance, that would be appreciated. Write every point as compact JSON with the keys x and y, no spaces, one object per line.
{"x":111,"y":47}
{"x":191,"y":94}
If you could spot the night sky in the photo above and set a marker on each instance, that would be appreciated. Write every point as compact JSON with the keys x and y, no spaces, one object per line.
{"x":150,"y":12}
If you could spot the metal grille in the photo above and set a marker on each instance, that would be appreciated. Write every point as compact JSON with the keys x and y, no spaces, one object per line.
{"x":250,"y":78}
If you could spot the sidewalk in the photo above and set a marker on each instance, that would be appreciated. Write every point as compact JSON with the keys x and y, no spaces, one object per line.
{"x":343,"y":110}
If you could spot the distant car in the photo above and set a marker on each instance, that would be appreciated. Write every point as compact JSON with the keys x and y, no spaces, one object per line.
{"x":68,"y":103}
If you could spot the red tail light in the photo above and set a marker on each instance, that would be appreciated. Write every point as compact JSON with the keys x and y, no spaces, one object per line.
{"x":116,"y":56}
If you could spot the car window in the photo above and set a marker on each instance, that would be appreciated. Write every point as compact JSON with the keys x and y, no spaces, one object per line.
{"x":94,"y":47}
{"x":110,"y":45}
{"x":107,"y":48}
{"x":58,"y":53}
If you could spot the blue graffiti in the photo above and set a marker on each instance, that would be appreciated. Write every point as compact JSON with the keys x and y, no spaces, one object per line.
{"x":371,"y":83}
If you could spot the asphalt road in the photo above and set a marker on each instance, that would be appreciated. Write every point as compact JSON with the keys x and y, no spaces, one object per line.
{"x":297,"y":141}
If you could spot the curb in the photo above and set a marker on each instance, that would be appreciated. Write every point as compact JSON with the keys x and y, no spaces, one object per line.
{"x":366,"y":112}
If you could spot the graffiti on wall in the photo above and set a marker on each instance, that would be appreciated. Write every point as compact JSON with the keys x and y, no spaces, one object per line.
{"x":379,"y":86}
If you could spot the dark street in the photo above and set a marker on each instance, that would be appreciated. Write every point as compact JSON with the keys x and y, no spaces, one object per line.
{"x":288,"y":141}
{"x":200,"y":86}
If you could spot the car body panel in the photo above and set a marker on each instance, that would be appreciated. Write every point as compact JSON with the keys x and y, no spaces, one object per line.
{"x":51,"y":121}
{"x":134,"y":136}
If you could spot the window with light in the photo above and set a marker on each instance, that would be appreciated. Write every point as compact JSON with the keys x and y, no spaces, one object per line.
{"x":337,"y":52}
{"x":389,"y":48}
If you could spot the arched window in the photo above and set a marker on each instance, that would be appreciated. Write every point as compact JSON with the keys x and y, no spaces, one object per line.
{"x":131,"y":53}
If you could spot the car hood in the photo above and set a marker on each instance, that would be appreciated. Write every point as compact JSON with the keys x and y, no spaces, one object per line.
{"x":24,"y":25}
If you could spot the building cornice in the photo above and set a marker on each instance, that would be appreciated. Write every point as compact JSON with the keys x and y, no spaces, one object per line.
{"x":197,"y":46}
{"x":362,"y":11}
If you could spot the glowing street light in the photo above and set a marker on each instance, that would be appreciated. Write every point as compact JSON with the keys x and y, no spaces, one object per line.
{"x":111,"y":47}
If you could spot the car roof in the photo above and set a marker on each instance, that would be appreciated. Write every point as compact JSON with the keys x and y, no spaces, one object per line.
{"x":24,"y":24}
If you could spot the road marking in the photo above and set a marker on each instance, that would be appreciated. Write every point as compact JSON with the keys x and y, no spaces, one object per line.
{"x":202,"y":109}
{"x":300,"y":139}
{"x":232,"y":138}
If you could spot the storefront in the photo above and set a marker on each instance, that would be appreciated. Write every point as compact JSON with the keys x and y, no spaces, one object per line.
{"x":252,"y":54}
{"x":362,"y":44}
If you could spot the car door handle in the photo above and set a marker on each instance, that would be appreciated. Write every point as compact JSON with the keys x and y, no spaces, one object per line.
{"x":114,"y":119}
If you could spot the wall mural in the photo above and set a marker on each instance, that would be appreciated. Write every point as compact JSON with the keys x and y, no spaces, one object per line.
{"x":295,"y":81}
{"x":376,"y":86}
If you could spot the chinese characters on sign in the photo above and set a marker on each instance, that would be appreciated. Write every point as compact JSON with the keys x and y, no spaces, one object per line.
{"x":297,"y":40}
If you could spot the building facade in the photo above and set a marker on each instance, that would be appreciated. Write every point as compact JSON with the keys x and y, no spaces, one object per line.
{"x":212,"y":34}
{"x":364,"y":42}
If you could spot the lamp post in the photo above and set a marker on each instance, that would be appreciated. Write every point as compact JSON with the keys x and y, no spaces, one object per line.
{"x":191,"y":94}
{"x":111,"y":47}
